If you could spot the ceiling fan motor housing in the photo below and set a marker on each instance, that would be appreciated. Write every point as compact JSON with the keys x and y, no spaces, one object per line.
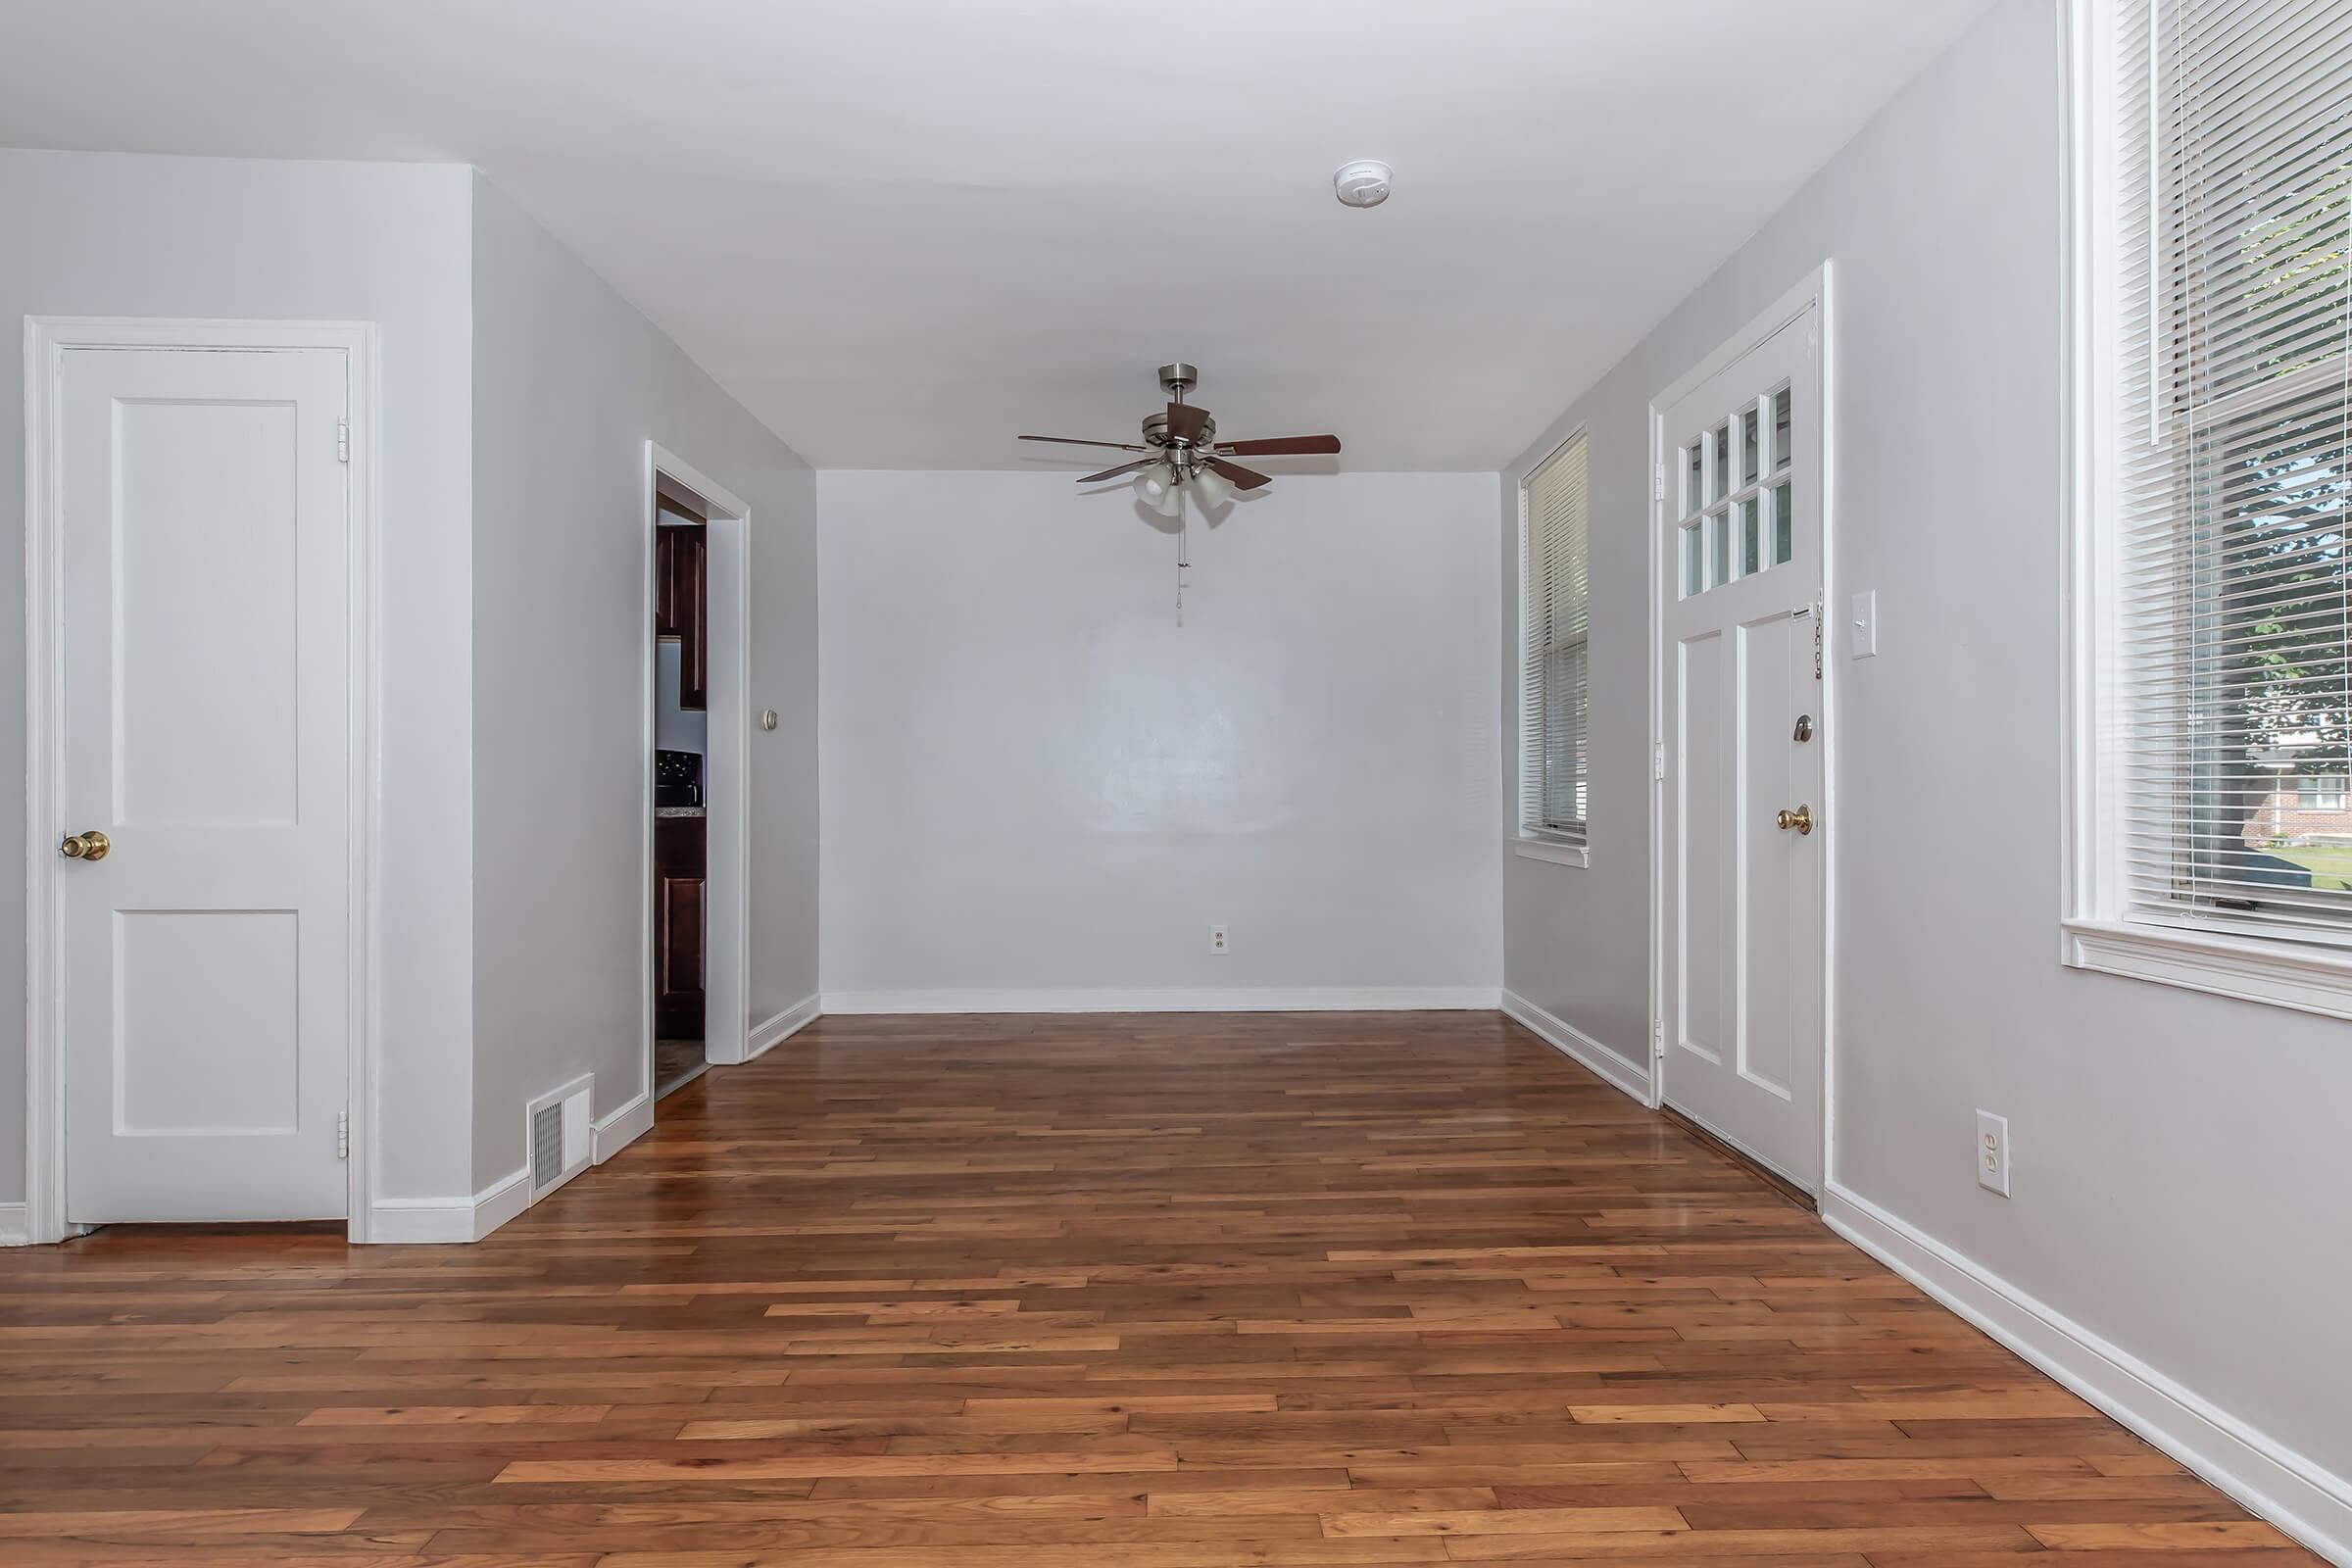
{"x":1156,"y":432}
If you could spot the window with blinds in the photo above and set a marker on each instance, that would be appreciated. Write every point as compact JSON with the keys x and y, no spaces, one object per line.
{"x":2231,"y":713}
{"x":1554,"y":671}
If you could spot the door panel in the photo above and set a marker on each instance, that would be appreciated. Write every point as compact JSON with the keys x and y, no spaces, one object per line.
{"x":1704,"y":952}
{"x":206,"y":652}
{"x":1740,"y":571}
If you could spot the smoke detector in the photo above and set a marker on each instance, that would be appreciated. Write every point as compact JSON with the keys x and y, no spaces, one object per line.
{"x":1363,"y":183}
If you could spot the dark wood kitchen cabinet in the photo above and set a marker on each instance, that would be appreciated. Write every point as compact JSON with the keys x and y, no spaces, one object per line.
{"x":680,"y":868}
{"x":681,"y":605}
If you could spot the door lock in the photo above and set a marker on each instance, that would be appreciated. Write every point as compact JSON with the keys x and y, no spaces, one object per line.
{"x":1800,"y":819}
{"x":1804,"y":728}
{"x":90,"y":846}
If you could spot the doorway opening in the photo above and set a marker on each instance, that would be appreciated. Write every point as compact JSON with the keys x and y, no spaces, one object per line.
{"x":695,"y":900}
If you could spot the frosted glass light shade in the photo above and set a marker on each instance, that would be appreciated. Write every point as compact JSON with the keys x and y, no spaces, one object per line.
{"x":1158,"y":493}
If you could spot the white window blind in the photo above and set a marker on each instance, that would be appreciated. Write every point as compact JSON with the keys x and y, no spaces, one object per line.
{"x":1554,"y":673}
{"x":2233,"y":410}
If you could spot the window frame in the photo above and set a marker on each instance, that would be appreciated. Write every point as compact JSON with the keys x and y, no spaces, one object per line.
{"x":1559,"y":845}
{"x":2098,"y":929}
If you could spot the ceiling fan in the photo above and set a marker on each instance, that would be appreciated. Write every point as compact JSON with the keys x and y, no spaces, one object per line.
{"x":1181,"y":447}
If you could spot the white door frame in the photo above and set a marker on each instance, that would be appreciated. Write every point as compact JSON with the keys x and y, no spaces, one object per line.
{"x":1813,"y":293}
{"x":46,"y":340}
{"x":726,"y":768}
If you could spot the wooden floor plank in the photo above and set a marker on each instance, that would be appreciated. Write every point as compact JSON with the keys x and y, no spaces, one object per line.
{"x":1171,"y":1291}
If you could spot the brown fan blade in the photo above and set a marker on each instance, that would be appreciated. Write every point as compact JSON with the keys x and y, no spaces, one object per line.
{"x":1113,"y":474}
{"x":1242,"y":478}
{"x":1282,"y":446}
{"x":1186,"y":423}
{"x":1073,"y":441}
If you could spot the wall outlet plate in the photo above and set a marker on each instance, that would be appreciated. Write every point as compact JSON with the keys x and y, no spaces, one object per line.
{"x":1992,"y":1153}
{"x":1217,"y":940}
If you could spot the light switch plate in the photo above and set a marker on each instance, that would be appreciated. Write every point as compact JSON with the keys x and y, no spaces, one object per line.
{"x":1862,"y":626}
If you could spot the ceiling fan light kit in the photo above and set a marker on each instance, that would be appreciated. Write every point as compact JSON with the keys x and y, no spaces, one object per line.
{"x":1180,"y":448}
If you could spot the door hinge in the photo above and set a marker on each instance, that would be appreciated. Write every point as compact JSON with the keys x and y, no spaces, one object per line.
{"x":1657,"y":1039}
{"x":1657,"y":760}
{"x":1657,"y":483}
{"x":342,"y":1135}
{"x":343,"y":440}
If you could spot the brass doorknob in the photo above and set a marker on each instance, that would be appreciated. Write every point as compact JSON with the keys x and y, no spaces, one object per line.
{"x":1800,"y":819}
{"x":90,"y":846}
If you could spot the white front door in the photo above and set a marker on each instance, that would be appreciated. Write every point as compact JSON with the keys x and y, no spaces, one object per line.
{"x":206,"y":712}
{"x":1741,"y":658}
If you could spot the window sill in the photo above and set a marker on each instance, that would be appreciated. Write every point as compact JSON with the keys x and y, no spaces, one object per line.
{"x":1557,"y":852}
{"x":2277,"y":974}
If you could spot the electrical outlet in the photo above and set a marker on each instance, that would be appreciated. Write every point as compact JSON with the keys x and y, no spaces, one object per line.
{"x":1216,"y":939}
{"x":1992,"y":1153}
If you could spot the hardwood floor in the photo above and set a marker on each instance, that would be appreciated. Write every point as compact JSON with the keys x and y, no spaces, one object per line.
{"x":1018,"y":1292}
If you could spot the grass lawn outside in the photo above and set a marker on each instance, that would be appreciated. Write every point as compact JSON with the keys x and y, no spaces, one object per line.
{"x":2329,"y":864}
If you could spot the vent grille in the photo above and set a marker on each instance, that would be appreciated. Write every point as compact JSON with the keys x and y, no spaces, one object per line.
{"x":560,"y":1135}
{"x":546,"y":1147}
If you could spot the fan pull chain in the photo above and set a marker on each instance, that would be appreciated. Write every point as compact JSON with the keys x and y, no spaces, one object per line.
{"x":1184,"y":554}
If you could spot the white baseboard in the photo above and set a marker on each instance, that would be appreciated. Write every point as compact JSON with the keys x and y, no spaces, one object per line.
{"x":15,"y":1225}
{"x":1270,"y":999}
{"x":1570,"y":1041}
{"x":427,"y":1220}
{"x":783,"y":1026}
{"x":623,"y":1128}
{"x":2291,"y":1492}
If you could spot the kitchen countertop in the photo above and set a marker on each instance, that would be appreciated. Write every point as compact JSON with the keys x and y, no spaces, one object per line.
{"x":679,"y":811}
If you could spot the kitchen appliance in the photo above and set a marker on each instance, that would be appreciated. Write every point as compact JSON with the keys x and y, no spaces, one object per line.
{"x":677,"y":778}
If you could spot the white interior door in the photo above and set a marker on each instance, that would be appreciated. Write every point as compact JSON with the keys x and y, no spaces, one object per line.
{"x":205,"y":641}
{"x":1742,"y":837}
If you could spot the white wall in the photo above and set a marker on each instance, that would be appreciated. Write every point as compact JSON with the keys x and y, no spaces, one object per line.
{"x":569,"y":381}
{"x":2183,"y":1179}
{"x":1035,"y":781}
{"x":106,"y":234}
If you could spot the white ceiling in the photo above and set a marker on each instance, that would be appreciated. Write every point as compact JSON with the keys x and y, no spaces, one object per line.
{"x":902,"y":232}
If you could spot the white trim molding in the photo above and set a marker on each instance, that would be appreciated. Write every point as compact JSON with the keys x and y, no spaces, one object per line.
{"x":623,"y":1128}
{"x":1559,"y":852}
{"x":2280,"y":974}
{"x":47,"y":339}
{"x":1576,"y":1045}
{"x":1277,"y":998}
{"x":2274,"y":1481}
{"x":420,"y":1221}
{"x":766,"y":1037}
{"x":15,"y":1225}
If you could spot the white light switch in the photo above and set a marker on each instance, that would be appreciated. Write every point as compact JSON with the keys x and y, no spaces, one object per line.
{"x":1862,"y":626}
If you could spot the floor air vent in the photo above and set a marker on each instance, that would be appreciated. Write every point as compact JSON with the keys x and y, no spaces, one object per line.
{"x":559,"y":1134}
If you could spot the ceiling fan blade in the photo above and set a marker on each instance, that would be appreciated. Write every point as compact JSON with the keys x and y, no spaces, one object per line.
{"x":1074,"y":441}
{"x":1186,"y":423}
{"x":1283,"y":446}
{"x":1242,"y":478}
{"x":1113,"y":474}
